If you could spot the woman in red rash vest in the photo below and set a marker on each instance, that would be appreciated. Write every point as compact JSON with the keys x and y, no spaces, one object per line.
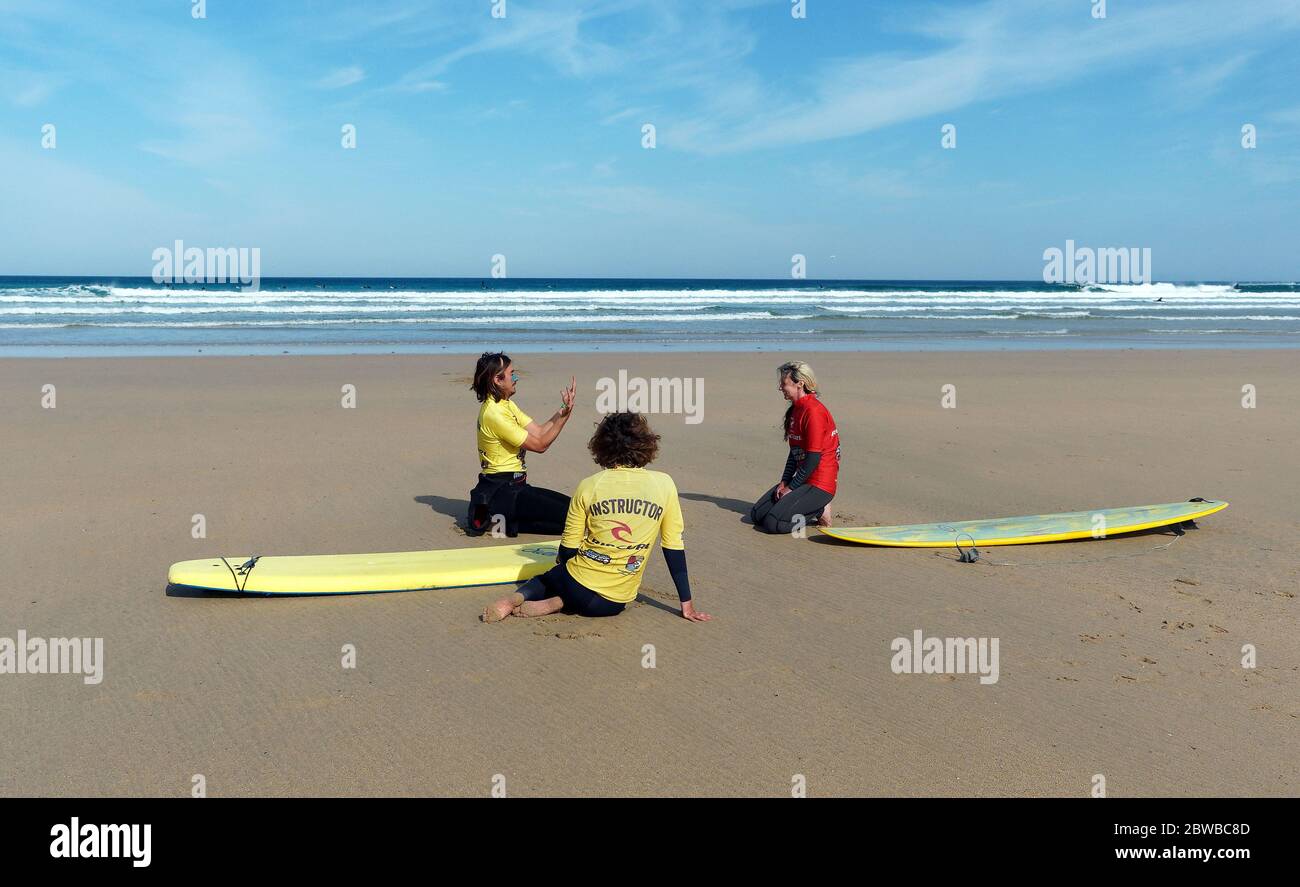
{"x":807,"y":485}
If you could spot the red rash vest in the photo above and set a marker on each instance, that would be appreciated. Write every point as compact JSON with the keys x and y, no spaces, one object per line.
{"x":812,"y":430}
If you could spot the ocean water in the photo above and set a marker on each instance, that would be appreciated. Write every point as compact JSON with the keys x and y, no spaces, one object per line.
{"x":71,"y":316}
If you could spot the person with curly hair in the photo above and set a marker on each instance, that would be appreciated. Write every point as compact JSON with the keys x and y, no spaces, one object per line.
{"x":505,"y":434}
{"x":613,"y":520}
{"x":812,"y":468}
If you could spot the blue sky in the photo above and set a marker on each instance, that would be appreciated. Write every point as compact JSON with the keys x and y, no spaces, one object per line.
{"x":522,"y":136}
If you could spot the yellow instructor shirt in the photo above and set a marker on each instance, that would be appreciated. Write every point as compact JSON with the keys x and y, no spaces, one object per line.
{"x":502,"y":430}
{"x":614,"y":518}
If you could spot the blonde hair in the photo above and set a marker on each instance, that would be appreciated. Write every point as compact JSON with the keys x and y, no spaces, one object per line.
{"x":798,"y":371}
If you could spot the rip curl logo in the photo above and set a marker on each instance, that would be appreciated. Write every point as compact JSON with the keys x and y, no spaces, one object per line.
{"x":90,"y":841}
{"x":621,"y":531}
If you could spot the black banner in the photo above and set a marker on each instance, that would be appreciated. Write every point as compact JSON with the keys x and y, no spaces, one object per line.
{"x":331,"y":836}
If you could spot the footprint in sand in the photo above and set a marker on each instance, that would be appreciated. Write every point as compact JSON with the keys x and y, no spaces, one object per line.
{"x":553,"y":628}
{"x":567,"y":635}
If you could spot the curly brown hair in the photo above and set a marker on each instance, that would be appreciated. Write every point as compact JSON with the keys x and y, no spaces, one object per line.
{"x":485,"y":372}
{"x":624,"y":440}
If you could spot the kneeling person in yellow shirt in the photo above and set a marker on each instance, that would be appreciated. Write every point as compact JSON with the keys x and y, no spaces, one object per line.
{"x":613,"y":520}
{"x":505,"y":435}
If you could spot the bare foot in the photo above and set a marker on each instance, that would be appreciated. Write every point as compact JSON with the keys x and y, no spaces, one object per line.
{"x":499,"y":610}
{"x":825,"y":519}
{"x":539,"y":608}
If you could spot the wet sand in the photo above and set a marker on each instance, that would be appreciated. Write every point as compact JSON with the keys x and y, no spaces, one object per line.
{"x":1128,"y":667}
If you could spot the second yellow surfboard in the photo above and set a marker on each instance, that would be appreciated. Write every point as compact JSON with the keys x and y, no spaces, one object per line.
{"x":1030,"y":528}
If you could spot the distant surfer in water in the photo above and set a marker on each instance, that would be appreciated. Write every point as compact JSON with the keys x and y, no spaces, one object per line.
{"x":505,"y":433}
{"x":613,"y":520}
{"x":807,"y":484}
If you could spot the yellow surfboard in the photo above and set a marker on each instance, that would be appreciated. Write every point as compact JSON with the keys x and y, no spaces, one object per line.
{"x":1099,"y":523}
{"x":367,"y":573}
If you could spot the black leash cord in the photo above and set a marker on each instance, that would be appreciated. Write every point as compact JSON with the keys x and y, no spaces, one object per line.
{"x":966,"y":558}
{"x":245,"y":568}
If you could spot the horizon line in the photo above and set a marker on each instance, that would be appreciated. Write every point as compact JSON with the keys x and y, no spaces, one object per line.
{"x":790,"y":281}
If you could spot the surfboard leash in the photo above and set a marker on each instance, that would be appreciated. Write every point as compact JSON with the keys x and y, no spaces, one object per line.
{"x":967,"y":556}
{"x":973,"y":556}
{"x":244,"y":569}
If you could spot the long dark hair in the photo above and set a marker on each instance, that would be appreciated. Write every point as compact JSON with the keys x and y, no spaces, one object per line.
{"x":624,"y":439}
{"x":485,"y":373}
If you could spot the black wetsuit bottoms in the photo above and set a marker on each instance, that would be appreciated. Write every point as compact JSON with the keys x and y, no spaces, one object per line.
{"x":578,"y":598}
{"x":525,"y":508}
{"x":778,"y":516}
{"x":539,"y":510}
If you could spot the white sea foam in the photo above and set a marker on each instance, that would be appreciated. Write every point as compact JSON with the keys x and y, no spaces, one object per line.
{"x":490,"y":320}
{"x":901,"y":311}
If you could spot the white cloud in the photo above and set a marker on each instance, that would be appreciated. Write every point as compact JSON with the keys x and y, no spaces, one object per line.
{"x":25,"y":88}
{"x":1286,"y":116}
{"x":216,"y":113}
{"x":33,"y":94}
{"x":418,"y":86}
{"x":90,"y":221}
{"x":1209,"y":78}
{"x":342,"y":77}
{"x":996,"y":49}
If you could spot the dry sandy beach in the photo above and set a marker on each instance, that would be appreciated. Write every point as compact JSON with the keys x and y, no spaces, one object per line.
{"x":1129,"y":668}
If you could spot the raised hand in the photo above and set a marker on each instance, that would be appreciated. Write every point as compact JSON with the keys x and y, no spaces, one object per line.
{"x":570,"y":394}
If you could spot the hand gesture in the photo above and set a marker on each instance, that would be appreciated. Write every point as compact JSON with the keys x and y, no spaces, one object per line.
{"x":568,"y":395}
